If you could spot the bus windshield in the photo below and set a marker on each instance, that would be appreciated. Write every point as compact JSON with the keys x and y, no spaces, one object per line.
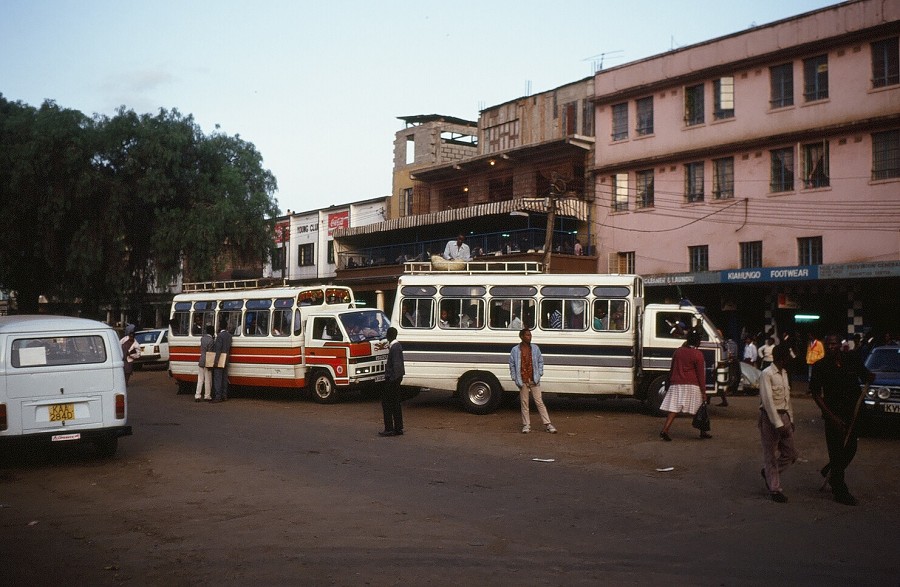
{"x":365,"y":324}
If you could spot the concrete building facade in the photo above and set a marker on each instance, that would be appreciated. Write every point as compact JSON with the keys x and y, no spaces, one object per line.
{"x":759,"y":173}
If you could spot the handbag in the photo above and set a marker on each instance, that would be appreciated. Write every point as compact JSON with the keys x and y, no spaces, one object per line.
{"x":701,"y":419}
{"x":210,"y":359}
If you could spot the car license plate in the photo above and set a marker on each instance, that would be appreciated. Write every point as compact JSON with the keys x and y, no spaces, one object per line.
{"x":59,"y":412}
{"x":891,"y":408}
{"x":379,"y":378}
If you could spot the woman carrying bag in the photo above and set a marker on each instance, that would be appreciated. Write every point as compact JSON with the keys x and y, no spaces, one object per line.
{"x":687,"y":385}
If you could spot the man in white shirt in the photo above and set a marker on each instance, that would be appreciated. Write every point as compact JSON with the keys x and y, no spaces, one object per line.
{"x":457,"y":250}
{"x":776,"y":426}
{"x":750,"y":352}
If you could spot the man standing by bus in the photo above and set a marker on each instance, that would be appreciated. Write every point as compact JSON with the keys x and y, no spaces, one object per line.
{"x":394,"y":371}
{"x":222,"y":348}
{"x":526,"y":365}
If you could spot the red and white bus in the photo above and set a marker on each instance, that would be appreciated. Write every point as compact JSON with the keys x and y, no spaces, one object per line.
{"x":285,"y":337}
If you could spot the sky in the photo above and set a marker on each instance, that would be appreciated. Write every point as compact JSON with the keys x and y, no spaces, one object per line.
{"x":318,"y":87}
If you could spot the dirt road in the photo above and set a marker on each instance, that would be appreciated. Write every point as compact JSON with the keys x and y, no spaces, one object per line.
{"x":271,"y":490}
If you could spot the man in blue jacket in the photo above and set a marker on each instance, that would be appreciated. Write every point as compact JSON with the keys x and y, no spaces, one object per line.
{"x":526,"y":365}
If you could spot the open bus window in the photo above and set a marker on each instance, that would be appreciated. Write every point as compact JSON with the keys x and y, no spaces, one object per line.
{"x":609,"y":315}
{"x":563,"y":314}
{"x":256,"y":323}
{"x":462,"y":313}
{"x":417,"y":313}
{"x":512,"y":314}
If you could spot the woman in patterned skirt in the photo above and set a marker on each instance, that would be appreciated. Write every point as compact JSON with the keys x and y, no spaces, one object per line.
{"x":687,"y":383}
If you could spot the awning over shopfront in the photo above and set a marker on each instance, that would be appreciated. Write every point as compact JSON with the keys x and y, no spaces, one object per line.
{"x":567,"y":207}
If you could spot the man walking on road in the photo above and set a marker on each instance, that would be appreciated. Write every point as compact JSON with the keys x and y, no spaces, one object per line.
{"x":776,"y":422}
{"x":834,"y":386}
{"x":526,"y":365}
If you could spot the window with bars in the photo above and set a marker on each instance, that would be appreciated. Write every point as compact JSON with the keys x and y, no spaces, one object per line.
{"x":306,"y":255}
{"x":693,"y":105}
{"x":723,"y":98}
{"x":782,"y":84}
{"x":809,"y":250}
{"x":693,"y":182}
{"x":782,"y":179}
{"x":330,"y":252}
{"x":644,"y":107}
{"x":886,"y":154}
{"x":751,"y":254}
{"x":815,"y":78}
{"x":723,"y":178}
{"x":620,"y":192}
{"x":815,"y":165}
{"x":644,"y":189}
{"x":699,"y":258}
{"x":619,"y":122}
{"x":885,"y":62}
{"x":625,"y":262}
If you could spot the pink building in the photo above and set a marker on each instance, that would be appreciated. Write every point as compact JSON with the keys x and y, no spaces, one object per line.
{"x":759,"y":173}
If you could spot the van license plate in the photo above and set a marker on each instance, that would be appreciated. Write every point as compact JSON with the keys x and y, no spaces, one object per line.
{"x":891,"y":408}
{"x":60,"y":412}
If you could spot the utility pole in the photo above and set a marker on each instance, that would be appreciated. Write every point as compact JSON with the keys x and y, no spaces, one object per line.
{"x":557,"y":188}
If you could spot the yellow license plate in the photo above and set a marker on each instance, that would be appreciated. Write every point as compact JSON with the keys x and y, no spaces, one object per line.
{"x":62,"y":412}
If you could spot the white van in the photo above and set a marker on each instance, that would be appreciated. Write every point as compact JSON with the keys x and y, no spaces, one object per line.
{"x":61,"y":380}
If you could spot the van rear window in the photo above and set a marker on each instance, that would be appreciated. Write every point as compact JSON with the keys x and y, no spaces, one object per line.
{"x":61,"y":350}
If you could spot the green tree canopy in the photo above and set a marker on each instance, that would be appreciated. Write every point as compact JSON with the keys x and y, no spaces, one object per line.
{"x":103,"y":208}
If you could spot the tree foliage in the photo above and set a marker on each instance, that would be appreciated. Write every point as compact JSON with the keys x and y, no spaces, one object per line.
{"x":105,"y":208}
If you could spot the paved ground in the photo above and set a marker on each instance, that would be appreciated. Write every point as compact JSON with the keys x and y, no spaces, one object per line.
{"x":266,"y":489}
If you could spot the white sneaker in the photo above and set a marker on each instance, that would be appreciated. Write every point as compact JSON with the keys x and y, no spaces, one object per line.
{"x":526,"y":429}
{"x":551,"y":429}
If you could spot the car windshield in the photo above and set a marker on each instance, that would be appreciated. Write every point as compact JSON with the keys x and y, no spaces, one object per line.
{"x":365,"y":325}
{"x":147,"y":337}
{"x":884,"y":360}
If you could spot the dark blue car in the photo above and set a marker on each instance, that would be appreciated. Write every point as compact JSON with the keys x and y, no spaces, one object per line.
{"x":883,"y":397}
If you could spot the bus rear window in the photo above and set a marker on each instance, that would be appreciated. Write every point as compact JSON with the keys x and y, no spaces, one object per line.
{"x":63,"y":350}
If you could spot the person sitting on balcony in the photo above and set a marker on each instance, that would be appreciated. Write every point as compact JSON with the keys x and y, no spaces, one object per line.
{"x":457,"y":250}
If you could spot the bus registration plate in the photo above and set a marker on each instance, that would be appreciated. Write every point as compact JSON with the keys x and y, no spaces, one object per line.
{"x":59,"y":412}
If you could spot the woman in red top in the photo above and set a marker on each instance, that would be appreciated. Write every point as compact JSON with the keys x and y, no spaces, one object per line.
{"x":687,"y":383}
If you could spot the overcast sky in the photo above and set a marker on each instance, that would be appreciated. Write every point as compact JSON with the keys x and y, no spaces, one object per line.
{"x":318,"y":86}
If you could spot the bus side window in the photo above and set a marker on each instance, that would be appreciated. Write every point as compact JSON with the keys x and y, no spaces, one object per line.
{"x":281,"y":322}
{"x":417,"y":313}
{"x":179,"y":323}
{"x":551,"y":314}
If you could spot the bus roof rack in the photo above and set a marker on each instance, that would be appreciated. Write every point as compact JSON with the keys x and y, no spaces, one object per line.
{"x":198,"y":286}
{"x":473,"y":267}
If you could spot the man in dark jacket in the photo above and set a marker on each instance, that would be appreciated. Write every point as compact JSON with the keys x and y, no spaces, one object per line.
{"x":834,"y":386}
{"x":390,"y":391}
{"x":222,"y":348}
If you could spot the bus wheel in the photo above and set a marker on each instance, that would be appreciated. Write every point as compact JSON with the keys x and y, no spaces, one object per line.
{"x":323,"y":390}
{"x":480,"y":394}
{"x":656,"y":392}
